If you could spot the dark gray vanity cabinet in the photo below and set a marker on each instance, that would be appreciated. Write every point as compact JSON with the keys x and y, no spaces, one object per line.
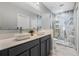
{"x":25,"y":49}
{"x":48,"y":46}
{"x":36,"y":47}
{"x":4,"y":52}
{"x":45,"y":45}
{"x":25,"y":53}
{"x":43,"y":48}
{"x":35,"y":51}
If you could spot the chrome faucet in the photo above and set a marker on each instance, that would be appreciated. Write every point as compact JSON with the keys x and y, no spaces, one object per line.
{"x":20,"y":29}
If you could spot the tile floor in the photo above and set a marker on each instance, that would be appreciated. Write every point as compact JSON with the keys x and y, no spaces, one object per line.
{"x":61,"y":50}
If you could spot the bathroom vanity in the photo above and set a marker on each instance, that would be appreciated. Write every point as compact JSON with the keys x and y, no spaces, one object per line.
{"x":40,"y":45}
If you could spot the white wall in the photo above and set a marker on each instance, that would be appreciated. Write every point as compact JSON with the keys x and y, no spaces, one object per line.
{"x":76,"y":24}
{"x":78,"y":28}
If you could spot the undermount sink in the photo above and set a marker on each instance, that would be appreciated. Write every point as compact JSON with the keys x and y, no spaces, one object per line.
{"x":25,"y":36}
{"x":40,"y":33}
{"x":22,"y":36}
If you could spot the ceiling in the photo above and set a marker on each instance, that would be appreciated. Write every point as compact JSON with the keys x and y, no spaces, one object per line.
{"x":26,"y":6}
{"x":58,"y":7}
{"x":38,"y":9}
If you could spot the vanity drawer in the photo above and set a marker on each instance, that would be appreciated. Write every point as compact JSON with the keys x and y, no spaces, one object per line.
{"x":23,"y":47}
{"x":45,"y":38}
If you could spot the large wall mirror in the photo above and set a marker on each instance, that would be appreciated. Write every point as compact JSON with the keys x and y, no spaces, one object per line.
{"x":39,"y":23}
{"x":23,"y":21}
{"x":12,"y":19}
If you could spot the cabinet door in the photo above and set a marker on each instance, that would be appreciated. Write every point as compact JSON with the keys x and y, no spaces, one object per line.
{"x":22,"y":47}
{"x":26,"y":53}
{"x":50,"y":43}
{"x":4,"y":53}
{"x":43,"y":48}
{"x":48,"y":46}
{"x":35,"y":51}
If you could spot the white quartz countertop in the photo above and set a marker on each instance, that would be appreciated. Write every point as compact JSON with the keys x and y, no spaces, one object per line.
{"x":10,"y":42}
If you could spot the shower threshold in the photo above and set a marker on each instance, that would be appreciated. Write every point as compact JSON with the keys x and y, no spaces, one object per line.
{"x":67,"y":44}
